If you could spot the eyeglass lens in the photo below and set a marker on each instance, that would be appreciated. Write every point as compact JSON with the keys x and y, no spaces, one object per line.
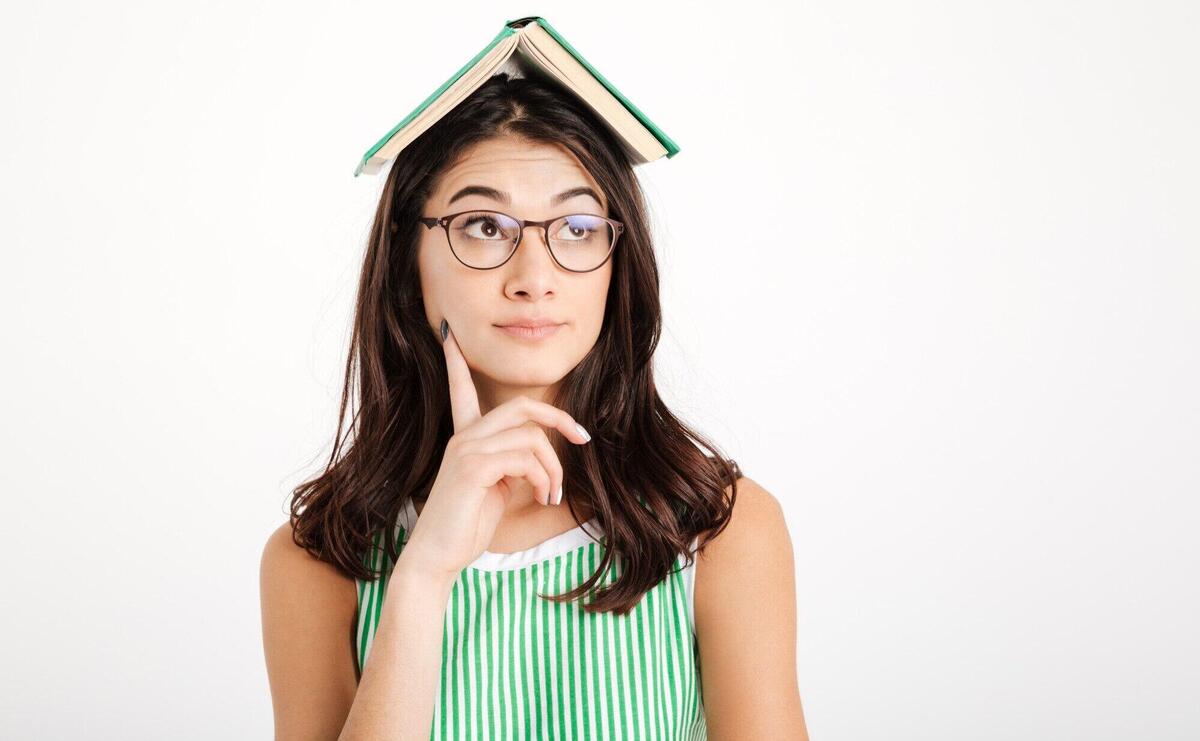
{"x":485,"y":239}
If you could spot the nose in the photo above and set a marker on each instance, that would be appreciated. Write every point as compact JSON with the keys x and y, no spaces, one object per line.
{"x":532,"y":270}
{"x":535,"y":249}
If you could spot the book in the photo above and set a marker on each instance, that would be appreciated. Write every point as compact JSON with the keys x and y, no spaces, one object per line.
{"x":529,"y":47}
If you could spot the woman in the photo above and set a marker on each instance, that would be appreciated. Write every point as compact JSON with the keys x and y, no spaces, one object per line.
{"x":493,"y":610}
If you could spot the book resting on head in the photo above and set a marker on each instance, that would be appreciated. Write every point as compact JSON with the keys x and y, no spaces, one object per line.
{"x":529,"y":47}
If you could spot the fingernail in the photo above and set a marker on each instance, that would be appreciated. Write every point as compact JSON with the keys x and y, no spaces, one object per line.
{"x":558,"y":497}
{"x":582,"y":431}
{"x":445,"y":329}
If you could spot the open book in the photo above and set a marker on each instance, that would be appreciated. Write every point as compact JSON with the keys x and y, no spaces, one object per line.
{"x":528,"y":47}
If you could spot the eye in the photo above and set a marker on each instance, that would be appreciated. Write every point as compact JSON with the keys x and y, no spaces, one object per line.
{"x":580,"y":227}
{"x":484,"y":227}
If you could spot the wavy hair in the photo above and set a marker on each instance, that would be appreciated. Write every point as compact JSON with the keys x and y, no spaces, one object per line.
{"x":649,"y":484}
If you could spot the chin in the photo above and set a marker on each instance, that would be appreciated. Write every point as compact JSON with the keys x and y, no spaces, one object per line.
{"x":518,"y":369}
{"x":534,"y":377}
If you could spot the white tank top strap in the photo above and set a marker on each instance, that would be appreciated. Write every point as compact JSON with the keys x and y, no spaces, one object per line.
{"x":689,"y":582}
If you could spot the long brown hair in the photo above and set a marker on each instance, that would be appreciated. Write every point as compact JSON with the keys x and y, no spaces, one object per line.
{"x":650,"y":486}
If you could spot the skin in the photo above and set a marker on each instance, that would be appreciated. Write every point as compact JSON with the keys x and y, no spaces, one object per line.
{"x":530,"y":284}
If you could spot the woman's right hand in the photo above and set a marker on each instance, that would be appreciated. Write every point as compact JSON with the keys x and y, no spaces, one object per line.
{"x":470,"y":493}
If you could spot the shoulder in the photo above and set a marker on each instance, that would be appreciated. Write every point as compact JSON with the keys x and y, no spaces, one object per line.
{"x":754,"y":543}
{"x":287,"y":567}
{"x":756,"y":528}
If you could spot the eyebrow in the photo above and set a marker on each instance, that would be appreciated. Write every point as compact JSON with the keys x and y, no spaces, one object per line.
{"x":502,"y":197}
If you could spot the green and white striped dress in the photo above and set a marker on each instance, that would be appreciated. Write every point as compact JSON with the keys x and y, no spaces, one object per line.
{"x":516,"y":666}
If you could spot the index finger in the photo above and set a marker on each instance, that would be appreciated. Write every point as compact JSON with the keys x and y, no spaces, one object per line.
{"x":464,"y":401}
{"x":521,"y":409}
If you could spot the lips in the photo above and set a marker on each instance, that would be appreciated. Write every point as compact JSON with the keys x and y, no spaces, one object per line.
{"x":530,"y":323}
{"x":531,"y":331}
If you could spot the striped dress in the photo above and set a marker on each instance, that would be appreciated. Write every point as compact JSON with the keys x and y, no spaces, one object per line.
{"x":516,"y":666}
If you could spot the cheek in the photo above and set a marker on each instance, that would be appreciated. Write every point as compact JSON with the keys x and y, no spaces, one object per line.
{"x":593,"y":313}
{"x":431,"y":288}
{"x":436,"y":278}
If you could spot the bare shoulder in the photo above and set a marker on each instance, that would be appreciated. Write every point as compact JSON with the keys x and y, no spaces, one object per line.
{"x":751,"y":558}
{"x":745,"y":608}
{"x":756,"y":527}
{"x":294,"y":571}
{"x":308,"y":609}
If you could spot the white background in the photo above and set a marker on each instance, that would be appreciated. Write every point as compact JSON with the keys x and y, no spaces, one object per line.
{"x":930,"y":275}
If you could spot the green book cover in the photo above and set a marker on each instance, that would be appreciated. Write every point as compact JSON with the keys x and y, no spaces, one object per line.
{"x":510,"y":27}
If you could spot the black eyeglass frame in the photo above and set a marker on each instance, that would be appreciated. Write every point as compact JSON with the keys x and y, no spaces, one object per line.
{"x":444,"y":222}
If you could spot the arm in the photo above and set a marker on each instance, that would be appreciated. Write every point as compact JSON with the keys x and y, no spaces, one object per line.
{"x":399,"y":681}
{"x":308,"y":608}
{"x":745,"y":608}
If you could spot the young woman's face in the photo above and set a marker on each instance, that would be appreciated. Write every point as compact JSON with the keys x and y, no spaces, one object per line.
{"x":527,"y":178}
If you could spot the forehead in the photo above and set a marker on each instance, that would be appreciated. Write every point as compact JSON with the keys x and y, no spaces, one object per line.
{"x":531,"y":172}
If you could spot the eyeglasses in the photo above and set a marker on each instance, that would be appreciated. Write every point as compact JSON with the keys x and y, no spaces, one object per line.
{"x":484,"y":240}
